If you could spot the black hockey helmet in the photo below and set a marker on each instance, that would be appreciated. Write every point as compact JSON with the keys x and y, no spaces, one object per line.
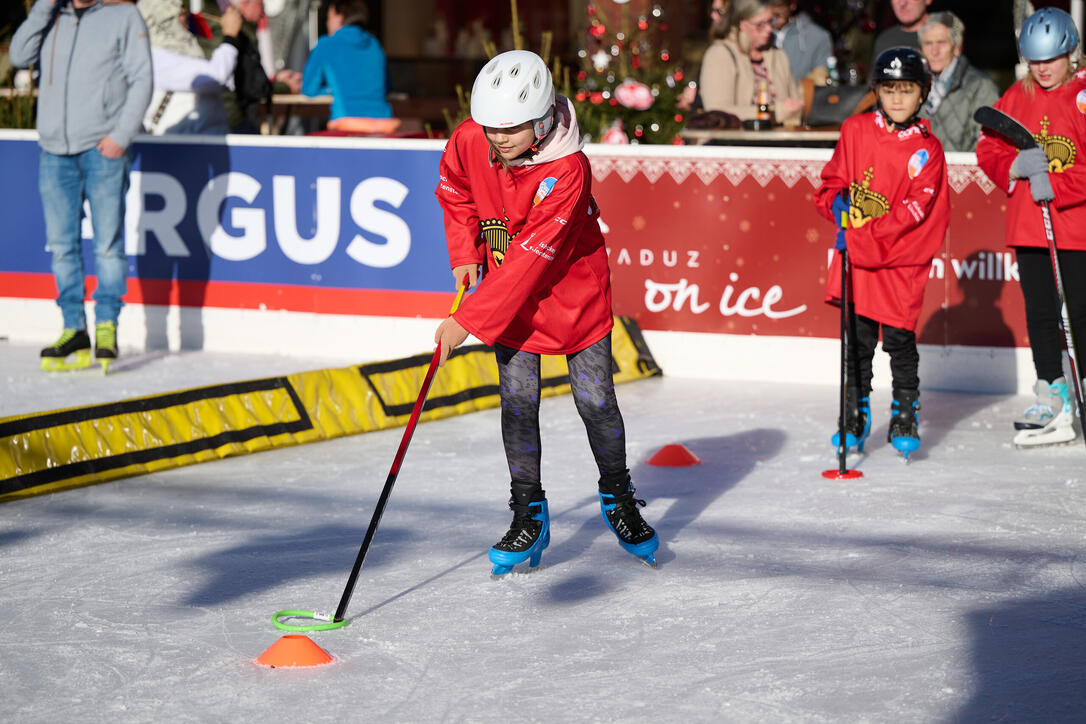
{"x":902,"y":64}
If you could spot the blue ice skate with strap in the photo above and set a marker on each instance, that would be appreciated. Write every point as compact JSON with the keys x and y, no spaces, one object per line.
{"x":619,"y":508}
{"x":857,"y":426}
{"x":528,"y":534}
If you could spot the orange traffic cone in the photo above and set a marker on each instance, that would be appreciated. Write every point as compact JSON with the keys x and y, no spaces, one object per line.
{"x":675,"y":456}
{"x":294,"y":650}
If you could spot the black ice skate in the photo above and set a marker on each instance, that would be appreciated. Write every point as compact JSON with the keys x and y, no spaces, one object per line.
{"x":528,"y":534}
{"x":904,"y":434}
{"x":619,"y":508}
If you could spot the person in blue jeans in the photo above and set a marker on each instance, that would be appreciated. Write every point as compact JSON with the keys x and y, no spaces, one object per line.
{"x":94,"y":87}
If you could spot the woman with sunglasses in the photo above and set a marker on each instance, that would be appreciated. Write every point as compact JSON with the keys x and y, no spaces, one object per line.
{"x":735,"y":67}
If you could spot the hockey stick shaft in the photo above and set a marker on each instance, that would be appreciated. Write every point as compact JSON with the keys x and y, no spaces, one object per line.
{"x":842,"y":442}
{"x":394,"y":471}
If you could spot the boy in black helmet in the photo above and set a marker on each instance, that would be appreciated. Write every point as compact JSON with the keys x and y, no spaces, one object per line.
{"x":888,"y":175}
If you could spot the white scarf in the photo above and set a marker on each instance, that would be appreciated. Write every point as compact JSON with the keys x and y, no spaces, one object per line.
{"x":939,"y":86}
{"x":165,"y":29}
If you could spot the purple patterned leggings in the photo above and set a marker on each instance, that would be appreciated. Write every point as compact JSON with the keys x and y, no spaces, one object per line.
{"x":590,"y":376}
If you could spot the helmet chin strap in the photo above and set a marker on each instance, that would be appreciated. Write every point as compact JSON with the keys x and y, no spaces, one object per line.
{"x":543,"y":127}
{"x":913,"y":120}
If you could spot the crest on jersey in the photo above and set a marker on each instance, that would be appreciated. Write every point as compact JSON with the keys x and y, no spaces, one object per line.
{"x":496,"y":235}
{"x":865,"y":203}
{"x":1061,"y":150}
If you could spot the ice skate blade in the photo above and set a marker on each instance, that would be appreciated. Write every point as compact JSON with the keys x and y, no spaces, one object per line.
{"x":649,"y":560}
{"x":1059,"y":431}
{"x":80,"y":361}
{"x":906,"y":444}
{"x":853,"y":444}
{"x":498,"y":573}
{"x":1053,"y":438}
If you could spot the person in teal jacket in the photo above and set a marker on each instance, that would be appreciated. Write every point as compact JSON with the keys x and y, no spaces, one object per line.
{"x":349,"y":64}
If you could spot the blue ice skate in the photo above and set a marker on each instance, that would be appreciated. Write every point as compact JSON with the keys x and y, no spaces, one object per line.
{"x":857,"y":427}
{"x":619,"y":508}
{"x":528,"y":535}
{"x":904,"y":423}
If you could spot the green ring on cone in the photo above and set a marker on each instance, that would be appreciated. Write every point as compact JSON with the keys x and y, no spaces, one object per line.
{"x":304,"y":627}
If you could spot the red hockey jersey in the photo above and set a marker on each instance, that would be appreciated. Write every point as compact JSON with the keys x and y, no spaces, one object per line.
{"x":546,"y":286}
{"x":1057,"y":119}
{"x":900,"y":205}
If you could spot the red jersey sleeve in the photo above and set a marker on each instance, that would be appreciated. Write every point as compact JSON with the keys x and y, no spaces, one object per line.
{"x":995,"y":155}
{"x":834,"y":180}
{"x":461,"y":216}
{"x":876,"y":244}
{"x":549,"y":232}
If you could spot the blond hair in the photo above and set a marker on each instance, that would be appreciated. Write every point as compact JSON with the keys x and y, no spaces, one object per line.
{"x":745,"y":10}
{"x":1029,"y":85}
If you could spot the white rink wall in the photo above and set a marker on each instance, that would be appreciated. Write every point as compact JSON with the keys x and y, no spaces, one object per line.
{"x":759,"y":359}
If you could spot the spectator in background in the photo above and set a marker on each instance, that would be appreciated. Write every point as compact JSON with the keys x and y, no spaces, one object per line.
{"x":957,"y":89}
{"x":720,"y":24}
{"x":721,"y":19}
{"x":911,"y":14}
{"x":90,"y":106}
{"x":252,"y":86}
{"x":188,"y":87}
{"x":806,"y":43}
{"x":349,"y":64}
{"x":734,"y":68}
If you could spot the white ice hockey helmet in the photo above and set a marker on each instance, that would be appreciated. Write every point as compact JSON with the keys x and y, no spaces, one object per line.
{"x":512,"y":88}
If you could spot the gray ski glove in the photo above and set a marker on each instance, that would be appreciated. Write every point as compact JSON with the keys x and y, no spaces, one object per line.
{"x":1040,"y":187}
{"x":1028,"y":163}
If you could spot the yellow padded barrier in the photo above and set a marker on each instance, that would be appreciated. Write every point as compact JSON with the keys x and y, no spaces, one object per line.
{"x":51,"y":451}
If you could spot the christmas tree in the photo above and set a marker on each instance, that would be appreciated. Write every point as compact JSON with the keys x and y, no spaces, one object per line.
{"x":628,"y":82}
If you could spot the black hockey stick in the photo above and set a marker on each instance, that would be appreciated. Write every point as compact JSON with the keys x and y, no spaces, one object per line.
{"x":848,"y":325}
{"x":1004,"y":125}
{"x":1021,"y":138}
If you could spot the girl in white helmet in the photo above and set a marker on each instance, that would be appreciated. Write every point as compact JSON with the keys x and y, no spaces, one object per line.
{"x":517,"y":195}
{"x":1051,"y":103}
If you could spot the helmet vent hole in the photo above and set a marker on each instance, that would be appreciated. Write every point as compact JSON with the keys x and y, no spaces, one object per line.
{"x":514,"y":71}
{"x":523,"y":95}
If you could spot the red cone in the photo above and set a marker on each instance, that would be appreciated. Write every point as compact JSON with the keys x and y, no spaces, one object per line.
{"x":675,"y":456}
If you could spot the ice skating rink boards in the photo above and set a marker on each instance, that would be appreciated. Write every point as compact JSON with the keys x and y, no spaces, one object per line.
{"x":61,"y":449}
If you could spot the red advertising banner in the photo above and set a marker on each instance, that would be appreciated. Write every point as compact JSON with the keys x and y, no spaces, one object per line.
{"x":727,"y":240}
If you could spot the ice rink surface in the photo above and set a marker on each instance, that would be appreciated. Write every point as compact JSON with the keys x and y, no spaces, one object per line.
{"x":947,"y":589}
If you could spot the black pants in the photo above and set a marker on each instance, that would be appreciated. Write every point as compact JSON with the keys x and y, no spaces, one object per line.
{"x":899,"y":343}
{"x":1042,"y":305}
{"x":593,"y":388}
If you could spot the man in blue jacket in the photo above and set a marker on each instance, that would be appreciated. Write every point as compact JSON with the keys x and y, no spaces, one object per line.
{"x":94,"y":63}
